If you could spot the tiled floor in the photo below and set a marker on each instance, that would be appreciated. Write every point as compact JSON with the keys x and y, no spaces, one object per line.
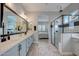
{"x":43,"y":48}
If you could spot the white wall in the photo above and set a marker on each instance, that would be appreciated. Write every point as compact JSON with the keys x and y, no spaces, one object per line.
{"x":32,"y":18}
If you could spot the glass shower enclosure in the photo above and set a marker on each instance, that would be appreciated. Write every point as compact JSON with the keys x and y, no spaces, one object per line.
{"x":63,"y":24}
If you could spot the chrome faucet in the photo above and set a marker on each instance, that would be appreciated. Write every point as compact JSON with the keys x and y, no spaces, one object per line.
{"x":3,"y":37}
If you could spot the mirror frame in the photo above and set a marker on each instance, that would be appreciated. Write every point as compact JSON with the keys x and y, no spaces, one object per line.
{"x":1,"y":13}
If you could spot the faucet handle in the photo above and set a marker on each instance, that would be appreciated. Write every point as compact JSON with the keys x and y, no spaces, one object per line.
{"x":8,"y":35}
{"x":3,"y":39}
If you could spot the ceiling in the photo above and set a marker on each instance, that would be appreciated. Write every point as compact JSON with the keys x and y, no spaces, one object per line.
{"x":44,"y":7}
{"x":73,"y":9}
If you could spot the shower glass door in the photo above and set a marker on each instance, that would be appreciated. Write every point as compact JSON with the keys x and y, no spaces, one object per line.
{"x":58,"y":31}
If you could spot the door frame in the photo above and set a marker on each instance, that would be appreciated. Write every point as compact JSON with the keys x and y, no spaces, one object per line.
{"x":52,"y":26}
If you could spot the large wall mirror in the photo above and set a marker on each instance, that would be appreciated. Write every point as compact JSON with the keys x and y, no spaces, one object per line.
{"x":13,"y":23}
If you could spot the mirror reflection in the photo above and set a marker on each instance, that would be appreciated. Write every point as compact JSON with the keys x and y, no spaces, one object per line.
{"x":13,"y":23}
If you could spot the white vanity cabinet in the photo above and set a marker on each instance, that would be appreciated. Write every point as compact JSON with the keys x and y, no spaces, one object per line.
{"x":18,"y":50}
{"x":29,"y":43}
{"x":12,"y":52}
{"x":22,"y":48}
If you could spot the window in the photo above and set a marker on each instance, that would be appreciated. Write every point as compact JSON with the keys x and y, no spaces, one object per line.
{"x":66,"y":20}
{"x":41,"y":28}
{"x":71,"y":22}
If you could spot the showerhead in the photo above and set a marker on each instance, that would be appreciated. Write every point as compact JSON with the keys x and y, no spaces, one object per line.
{"x":59,"y":7}
{"x":60,"y":10}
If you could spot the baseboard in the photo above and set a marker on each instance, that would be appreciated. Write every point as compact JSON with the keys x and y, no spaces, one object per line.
{"x":67,"y":53}
{"x":35,"y":42}
{"x":43,"y":38}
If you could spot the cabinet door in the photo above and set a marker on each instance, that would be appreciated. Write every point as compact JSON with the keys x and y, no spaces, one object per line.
{"x":29,"y":42}
{"x":12,"y":52}
{"x":23,"y":48}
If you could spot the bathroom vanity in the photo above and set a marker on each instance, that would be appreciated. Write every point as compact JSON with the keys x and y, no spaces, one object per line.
{"x":18,"y":45}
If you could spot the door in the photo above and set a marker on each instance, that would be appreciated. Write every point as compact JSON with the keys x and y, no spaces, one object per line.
{"x":56,"y":38}
{"x":57,"y":31}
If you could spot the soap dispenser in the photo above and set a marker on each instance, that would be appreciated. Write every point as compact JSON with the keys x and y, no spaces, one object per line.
{"x":8,"y":35}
